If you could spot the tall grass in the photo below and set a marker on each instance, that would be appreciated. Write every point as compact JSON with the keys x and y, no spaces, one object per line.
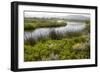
{"x":53,"y":35}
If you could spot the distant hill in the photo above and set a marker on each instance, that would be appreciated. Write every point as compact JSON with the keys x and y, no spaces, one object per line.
{"x":68,"y":17}
{"x":77,"y":18}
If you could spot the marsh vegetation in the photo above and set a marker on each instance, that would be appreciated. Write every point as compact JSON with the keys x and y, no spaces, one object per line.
{"x":55,"y":39}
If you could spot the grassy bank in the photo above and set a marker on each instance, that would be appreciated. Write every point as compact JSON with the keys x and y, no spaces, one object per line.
{"x":33,"y":23}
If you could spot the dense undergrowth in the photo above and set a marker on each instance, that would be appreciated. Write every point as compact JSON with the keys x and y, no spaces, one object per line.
{"x":71,"y":48}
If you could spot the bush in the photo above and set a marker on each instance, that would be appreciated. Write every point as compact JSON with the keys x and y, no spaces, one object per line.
{"x":58,"y":49}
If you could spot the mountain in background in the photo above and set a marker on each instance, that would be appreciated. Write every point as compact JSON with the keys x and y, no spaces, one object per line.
{"x":68,"y":17}
{"x":77,"y":17}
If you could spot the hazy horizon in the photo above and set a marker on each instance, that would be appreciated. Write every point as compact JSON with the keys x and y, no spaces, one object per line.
{"x":52,"y":15}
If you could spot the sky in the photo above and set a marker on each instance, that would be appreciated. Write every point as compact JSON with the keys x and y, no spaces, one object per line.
{"x":50,"y":14}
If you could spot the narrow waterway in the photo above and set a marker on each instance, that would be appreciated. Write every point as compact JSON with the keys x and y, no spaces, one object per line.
{"x":45,"y":32}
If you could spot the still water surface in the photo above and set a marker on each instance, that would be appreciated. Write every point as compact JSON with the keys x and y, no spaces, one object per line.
{"x":45,"y":32}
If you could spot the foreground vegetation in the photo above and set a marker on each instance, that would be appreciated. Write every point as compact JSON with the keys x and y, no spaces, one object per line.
{"x":72,"y":48}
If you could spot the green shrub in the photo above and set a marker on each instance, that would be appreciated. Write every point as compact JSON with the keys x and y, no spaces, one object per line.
{"x":58,"y":49}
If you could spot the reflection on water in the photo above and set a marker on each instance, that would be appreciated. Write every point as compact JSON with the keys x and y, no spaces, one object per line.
{"x":45,"y":32}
